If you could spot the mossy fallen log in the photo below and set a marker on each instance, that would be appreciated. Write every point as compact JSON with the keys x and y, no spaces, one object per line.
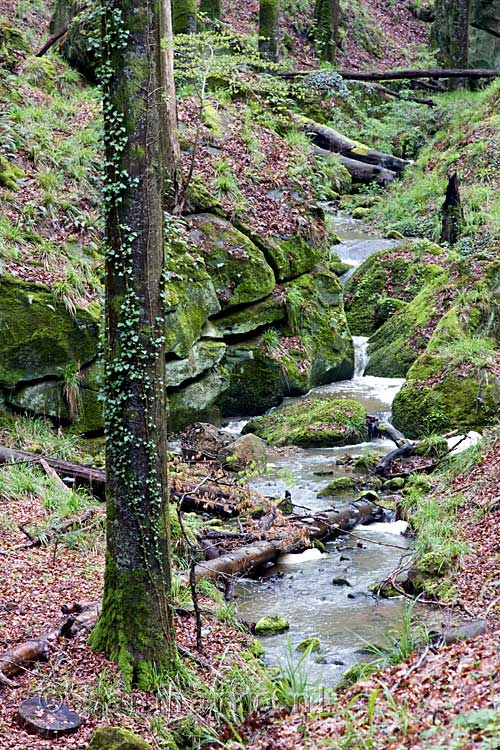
{"x":305,"y":528}
{"x":331,"y":140}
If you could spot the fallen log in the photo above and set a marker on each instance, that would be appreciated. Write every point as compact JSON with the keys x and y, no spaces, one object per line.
{"x":331,"y":140}
{"x":360,"y":171}
{"x":95,"y":480}
{"x":51,"y":41}
{"x":400,"y":75}
{"x":318,"y":526}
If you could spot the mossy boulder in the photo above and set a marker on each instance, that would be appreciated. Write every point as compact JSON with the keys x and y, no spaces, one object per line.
{"x":271,"y":625}
{"x":395,"y":346}
{"x":247,"y":451}
{"x":39,"y":337}
{"x":78,"y":404}
{"x":12,"y":40}
{"x":339,"y":486}
{"x":204,"y":355}
{"x":255,"y":380}
{"x":311,"y":644}
{"x":454,"y":383}
{"x":386,"y":281}
{"x":313,"y":422}
{"x":190,"y":299}
{"x":197,"y":401}
{"x":116,"y":738}
{"x":251,"y":318}
{"x":237,"y":267}
{"x":294,"y":256}
{"x":315,"y":313}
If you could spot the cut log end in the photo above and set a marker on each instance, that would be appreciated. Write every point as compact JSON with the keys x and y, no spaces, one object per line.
{"x":47,"y":718}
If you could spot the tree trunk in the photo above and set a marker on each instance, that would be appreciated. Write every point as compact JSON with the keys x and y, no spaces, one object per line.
{"x":211,"y":8}
{"x":401,"y":75}
{"x":184,"y":16}
{"x":452,"y":212}
{"x":136,"y":624}
{"x":318,"y":526}
{"x":331,"y":140}
{"x":359,"y":171}
{"x":326,"y":28}
{"x":269,"y":18}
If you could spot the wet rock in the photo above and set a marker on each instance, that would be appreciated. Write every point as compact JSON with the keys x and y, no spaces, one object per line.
{"x":394,"y":484}
{"x":344,"y":558}
{"x":309,"y":644}
{"x":340,"y":582}
{"x":271,"y":625}
{"x":339,"y":486}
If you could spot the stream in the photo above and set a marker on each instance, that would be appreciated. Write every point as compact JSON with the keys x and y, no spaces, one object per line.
{"x":343,"y":617}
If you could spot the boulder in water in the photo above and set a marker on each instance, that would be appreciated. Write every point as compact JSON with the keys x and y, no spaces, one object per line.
{"x":313,"y":422}
{"x":271,"y":625}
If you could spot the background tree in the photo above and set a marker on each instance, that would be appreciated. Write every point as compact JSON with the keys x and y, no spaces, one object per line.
{"x":450,"y":34}
{"x":211,"y":8}
{"x":326,"y":28}
{"x":269,"y":17}
{"x":184,"y":14}
{"x":136,"y":627}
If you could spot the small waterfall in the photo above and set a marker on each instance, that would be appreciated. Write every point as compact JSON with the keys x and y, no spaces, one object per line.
{"x":361,"y":355}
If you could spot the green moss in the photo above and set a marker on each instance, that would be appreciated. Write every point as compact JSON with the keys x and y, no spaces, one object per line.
{"x":397,"y":343}
{"x":309,"y":644}
{"x":339,"y":486}
{"x":315,"y":422}
{"x":126,"y":631}
{"x":393,"y":485}
{"x":184,"y":16}
{"x":250,"y":318}
{"x":256,"y":648}
{"x":271,"y":625}
{"x":386,"y":281}
{"x":40,"y":72}
{"x":9,"y":174}
{"x":116,"y":738}
{"x":39,"y":336}
{"x":293,"y":256}
{"x":256,"y":380}
{"x":198,"y":401}
{"x":212,"y":119}
{"x":237,"y":267}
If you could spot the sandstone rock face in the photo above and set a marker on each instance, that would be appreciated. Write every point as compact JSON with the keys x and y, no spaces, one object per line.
{"x":484,"y":33}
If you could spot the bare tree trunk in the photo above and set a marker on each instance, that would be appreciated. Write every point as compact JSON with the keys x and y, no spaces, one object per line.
{"x":136,"y":624}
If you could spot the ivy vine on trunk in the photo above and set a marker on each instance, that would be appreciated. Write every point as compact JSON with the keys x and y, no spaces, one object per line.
{"x":136,"y":624}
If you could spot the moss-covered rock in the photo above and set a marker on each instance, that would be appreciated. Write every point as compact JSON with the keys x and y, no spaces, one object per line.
{"x":255,"y":380}
{"x":293,"y":256}
{"x":395,"y":346}
{"x":386,"y":281}
{"x":203,"y":355}
{"x":314,"y":422}
{"x":339,"y":486}
{"x":311,"y":644}
{"x":116,"y":738}
{"x":271,"y":625}
{"x":83,"y":24}
{"x":247,"y":451}
{"x":75,"y":403}
{"x":39,"y":337}
{"x":237,"y":267}
{"x":454,"y":383}
{"x":12,"y":40}
{"x":190,"y":300}
{"x":251,"y":318}
{"x":315,"y":312}
{"x":198,"y":401}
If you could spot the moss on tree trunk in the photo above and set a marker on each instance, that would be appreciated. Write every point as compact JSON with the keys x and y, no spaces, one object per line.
{"x":326,"y":28}
{"x":136,"y":624}
{"x":450,"y":35}
{"x":269,"y":16}
{"x":211,"y":8}
{"x":184,"y":16}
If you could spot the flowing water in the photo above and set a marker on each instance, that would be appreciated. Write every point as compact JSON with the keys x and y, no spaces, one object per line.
{"x":344,"y":617}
